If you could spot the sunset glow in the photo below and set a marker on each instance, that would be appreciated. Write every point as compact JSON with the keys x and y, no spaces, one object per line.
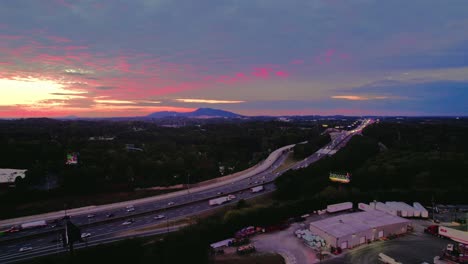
{"x":72,"y":57}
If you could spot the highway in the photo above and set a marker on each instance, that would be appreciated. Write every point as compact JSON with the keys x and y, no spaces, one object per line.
{"x":43,"y":241}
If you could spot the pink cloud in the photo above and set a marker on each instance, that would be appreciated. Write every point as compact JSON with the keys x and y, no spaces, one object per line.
{"x":281,"y":74}
{"x":261,"y":73}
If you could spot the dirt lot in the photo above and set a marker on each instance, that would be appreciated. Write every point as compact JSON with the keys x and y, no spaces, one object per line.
{"x":287,"y":244}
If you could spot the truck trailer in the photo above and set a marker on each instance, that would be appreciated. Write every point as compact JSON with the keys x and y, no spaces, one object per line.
{"x":365,"y":207}
{"x":384,"y":208}
{"x":29,"y":225}
{"x":424,"y":212}
{"x":401,"y":211}
{"x":221,"y":200}
{"x":332,"y":208}
{"x":257,"y":189}
{"x":447,"y":232}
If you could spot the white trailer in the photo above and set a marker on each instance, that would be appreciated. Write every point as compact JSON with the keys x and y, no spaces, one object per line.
{"x":332,"y":208}
{"x":384,"y":208}
{"x":412,"y":212}
{"x":396,"y":206}
{"x":221,"y":244}
{"x":454,"y":234}
{"x":257,"y":189}
{"x":365,"y":207}
{"x":40,"y":223}
{"x":424,"y":212}
{"x":221,"y":200}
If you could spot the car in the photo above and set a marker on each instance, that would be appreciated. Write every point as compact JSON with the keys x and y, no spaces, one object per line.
{"x":170,"y":203}
{"x":130,"y":209}
{"x":25,"y":249}
{"x":91,"y":215}
{"x":159,"y":217}
{"x":85,"y":235}
{"x":128,"y":222}
{"x":219,"y":193}
{"x":110,"y":215}
{"x":13,"y":230}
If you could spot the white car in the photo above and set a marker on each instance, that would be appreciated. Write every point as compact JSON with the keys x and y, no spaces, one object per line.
{"x":25,"y":249}
{"x":129,"y":222}
{"x":91,"y":215}
{"x":85,"y":235}
{"x":130,"y":209}
{"x":170,"y":203}
{"x":159,"y":217}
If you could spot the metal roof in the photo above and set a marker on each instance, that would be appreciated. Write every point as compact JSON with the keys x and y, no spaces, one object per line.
{"x":349,"y":224}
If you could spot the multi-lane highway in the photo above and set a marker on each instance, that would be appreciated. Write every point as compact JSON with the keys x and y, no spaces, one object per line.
{"x":103,"y":228}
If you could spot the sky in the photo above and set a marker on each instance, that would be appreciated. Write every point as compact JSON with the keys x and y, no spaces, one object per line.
{"x":94,"y":58}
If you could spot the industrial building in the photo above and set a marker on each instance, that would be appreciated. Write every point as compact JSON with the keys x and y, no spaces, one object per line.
{"x":351,"y":230}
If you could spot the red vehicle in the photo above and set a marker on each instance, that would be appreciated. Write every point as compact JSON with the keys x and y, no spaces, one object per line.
{"x":273,"y":228}
{"x":433,"y":230}
{"x":248,"y":231}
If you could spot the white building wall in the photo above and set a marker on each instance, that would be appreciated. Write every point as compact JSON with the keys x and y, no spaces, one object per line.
{"x":355,"y":239}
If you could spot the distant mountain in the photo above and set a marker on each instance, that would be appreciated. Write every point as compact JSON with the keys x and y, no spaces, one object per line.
{"x":199,"y":113}
{"x":164,"y":114}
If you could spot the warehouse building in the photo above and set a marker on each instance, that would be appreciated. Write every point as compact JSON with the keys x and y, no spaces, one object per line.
{"x":351,"y":230}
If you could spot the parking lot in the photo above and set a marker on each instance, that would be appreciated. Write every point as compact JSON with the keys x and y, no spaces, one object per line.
{"x":414,"y":247}
{"x":286,"y":244}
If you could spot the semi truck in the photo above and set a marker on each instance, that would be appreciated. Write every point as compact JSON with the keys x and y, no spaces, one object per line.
{"x":447,"y":232}
{"x":257,"y":189}
{"x":29,"y":225}
{"x":221,"y":200}
{"x":333,"y":208}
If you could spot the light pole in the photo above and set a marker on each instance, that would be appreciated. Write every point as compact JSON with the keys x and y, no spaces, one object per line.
{"x":188,"y":183}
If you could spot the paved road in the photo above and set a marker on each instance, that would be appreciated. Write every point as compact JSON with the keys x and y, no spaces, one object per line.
{"x":411,"y":248}
{"x":184,"y":205}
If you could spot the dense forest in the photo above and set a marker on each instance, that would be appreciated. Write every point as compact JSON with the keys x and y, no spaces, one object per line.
{"x":429,"y":152}
{"x":158,"y":155}
{"x":135,"y":155}
{"x":390,"y":161}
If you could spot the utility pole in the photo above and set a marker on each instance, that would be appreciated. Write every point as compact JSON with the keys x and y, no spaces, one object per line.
{"x":188,"y":183}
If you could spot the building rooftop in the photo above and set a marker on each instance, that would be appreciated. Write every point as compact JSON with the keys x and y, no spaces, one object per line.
{"x":349,"y":224}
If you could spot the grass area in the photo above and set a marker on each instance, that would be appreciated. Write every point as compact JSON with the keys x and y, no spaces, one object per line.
{"x":249,"y":259}
{"x":288,"y":162}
